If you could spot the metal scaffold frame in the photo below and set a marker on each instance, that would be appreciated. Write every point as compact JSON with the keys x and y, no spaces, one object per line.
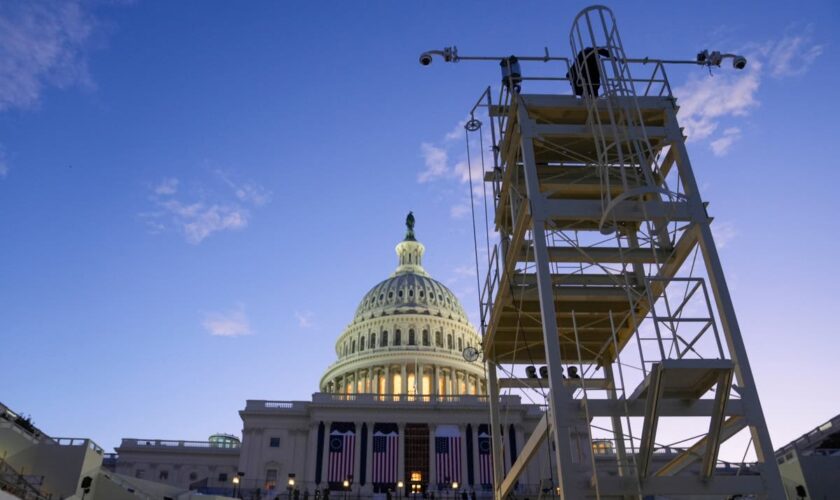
{"x":606,"y":264}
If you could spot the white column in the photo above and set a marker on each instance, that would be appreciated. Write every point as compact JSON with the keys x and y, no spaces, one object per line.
{"x":325,"y":452}
{"x":462,"y":428}
{"x":404,"y":380}
{"x":308,"y":473}
{"x":419,"y":370}
{"x":357,"y":457}
{"x":401,"y":455}
{"x":389,"y":383}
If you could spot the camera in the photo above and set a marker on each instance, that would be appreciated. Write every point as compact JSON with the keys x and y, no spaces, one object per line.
{"x":425,"y":59}
{"x":739,"y":62}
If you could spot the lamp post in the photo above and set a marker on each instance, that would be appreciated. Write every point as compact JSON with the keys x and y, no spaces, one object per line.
{"x":400,"y":486}
{"x":291,"y":486}
{"x":346,"y":485}
{"x":235,"y":485}
{"x":455,"y":490}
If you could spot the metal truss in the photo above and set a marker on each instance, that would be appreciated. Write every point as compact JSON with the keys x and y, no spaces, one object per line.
{"x":606,"y":262}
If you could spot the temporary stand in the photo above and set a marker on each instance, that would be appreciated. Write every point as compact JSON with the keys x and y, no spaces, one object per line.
{"x":600,"y":224}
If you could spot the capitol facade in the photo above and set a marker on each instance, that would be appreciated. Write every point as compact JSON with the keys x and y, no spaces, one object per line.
{"x":401,"y":411}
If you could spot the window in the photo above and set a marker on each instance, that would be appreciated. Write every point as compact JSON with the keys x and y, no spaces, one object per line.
{"x":411,"y":337}
{"x":274,"y":442}
{"x":270,"y":479}
{"x":398,"y":337}
{"x":353,"y":347}
{"x":438,"y":339}
{"x":223,"y":477}
{"x":372,"y":340}
{"x":460,"y":344}
{"x":164,"y":475}
{"x":426,"y":337}
{"x":400,"y":294}
{"x":383,"y":341}
{"x":422,"y":294}
{"x":139,"y":473}
{"x":361,"y":344}
{"x":390,"y":295}
{"x":449,"y":341}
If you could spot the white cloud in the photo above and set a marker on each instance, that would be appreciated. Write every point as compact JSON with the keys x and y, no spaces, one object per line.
{"x":233,"y":323}
{"x":166,"y":187}
{"x":793,"y":55}
{"x":724,"y":233}
{"x":4,"y":166}
{"x":705,"y":102}
{"x":198,"y":221}
{"x":304,"y":318}
{"x":458,"y":211}
{"x":435,"y":159}
{"x":721,"y":145}
{"x":199,"y":218}
{"x":42,"y":43}
{"x":457,"y":132}
{"x":248,"y":192}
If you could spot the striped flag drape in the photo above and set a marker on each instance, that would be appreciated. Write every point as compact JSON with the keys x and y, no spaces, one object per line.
{"x":485,"y":456}
{"x":342,"y":451}
{"x":448,"y":453}
{"x":385,"y":450}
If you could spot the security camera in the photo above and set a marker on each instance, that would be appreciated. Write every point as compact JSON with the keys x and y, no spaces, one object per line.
{"x":739,"y":62}
{"x":425,"y":59}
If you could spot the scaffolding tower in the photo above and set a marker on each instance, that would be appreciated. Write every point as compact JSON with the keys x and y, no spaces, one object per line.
{"x":605,"y":262}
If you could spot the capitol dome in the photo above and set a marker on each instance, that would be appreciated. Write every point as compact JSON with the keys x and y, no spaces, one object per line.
{"x":407,"y":337}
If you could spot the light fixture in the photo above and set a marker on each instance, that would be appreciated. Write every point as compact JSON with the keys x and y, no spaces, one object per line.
{"x":235,"y":479}
{"x":346,"y":483}
{"x":400,"y":484}
{"x":531,"y":371}
{"x":292,"y":482}
{"x":454,"y":485}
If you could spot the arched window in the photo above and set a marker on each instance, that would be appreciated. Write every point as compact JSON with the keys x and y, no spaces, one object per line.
{"x":460,"y":344}
{"x":426,"y":337}
{"x":398,"y":337}
{"x":372,"y":340}
{"x":353,"y":347}
{"x":449,"y":341}
{"x":383,"y":341}
{"x":438,"y":339}
{"x":361,"y":343}
{"x":411,"y":336}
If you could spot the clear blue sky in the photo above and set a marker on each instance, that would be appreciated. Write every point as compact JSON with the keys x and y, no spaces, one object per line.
{"x":195,"y":195}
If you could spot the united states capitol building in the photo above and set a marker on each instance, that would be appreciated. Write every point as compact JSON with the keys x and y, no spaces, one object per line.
{"x":400,"y":410}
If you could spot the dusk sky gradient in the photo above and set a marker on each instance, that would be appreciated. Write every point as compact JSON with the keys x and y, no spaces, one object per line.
{"x":194,"y":196}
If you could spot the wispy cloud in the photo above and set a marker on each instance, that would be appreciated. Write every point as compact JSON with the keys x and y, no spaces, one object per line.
{"x":435,"y":160}
{"x":707,"y":102}
{"x":248,"y":192}
{"x":42,"y":44}
{"x":721,"y":145}
{"x":232,"y":323}
{"x":206,"y":212}
{"x":166,"y":186}
{"x":4,"y":166}
{"x":724,"y":233}
{"x":793,"y":55}
{"x":304,"y":318}
{"x":439,"y":167}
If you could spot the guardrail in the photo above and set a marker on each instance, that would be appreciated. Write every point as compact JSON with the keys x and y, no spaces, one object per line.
{"x":66,"y":441}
